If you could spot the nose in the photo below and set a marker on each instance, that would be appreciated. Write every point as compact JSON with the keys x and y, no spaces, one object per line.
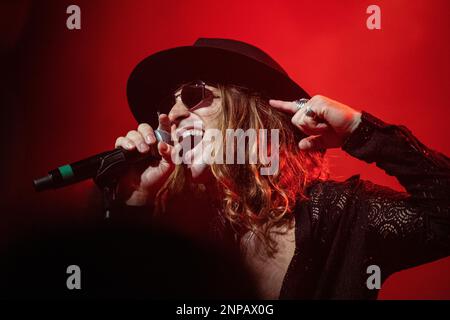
{"x":178,"y":113}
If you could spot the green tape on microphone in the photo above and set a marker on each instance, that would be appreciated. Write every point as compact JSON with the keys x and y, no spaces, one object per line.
{"x":66,"y":171}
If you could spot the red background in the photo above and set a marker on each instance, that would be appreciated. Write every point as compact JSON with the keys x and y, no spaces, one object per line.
{"x":65,"y":95}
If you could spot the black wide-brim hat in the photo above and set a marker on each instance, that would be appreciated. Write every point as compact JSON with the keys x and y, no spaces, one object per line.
{"x":213,"y":60}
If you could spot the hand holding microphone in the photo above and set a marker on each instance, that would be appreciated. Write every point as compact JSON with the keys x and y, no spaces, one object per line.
{"x":138,"y":180}
{"x":141,"y":184}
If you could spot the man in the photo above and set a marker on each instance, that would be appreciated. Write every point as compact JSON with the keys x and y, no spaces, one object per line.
{"x":300,"y":235}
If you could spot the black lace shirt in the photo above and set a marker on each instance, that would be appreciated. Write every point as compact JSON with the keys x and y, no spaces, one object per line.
{"x":345,"y":227}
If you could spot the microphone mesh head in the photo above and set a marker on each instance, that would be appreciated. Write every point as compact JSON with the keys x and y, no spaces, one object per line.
{"x":162,"y":135}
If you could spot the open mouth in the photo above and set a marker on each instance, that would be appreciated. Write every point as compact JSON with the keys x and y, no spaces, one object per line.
{"x":191,"y":133}
{"x":189,"y":138}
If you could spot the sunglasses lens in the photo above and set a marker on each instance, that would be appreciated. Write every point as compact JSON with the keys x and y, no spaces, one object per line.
{"x":192,"y":95}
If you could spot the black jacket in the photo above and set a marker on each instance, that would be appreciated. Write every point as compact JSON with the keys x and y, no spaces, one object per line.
{"x":347,"y":226}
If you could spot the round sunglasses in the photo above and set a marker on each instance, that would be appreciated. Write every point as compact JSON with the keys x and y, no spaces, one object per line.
{"x":192,"y":94}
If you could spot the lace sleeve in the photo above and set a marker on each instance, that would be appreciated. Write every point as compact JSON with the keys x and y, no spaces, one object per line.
{"x":404,"y":228}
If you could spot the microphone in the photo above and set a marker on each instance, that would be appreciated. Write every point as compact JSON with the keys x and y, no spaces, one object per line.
{"x":102,"y":166}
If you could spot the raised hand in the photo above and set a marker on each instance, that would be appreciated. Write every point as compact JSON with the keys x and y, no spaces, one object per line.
{"x":327,"y":124}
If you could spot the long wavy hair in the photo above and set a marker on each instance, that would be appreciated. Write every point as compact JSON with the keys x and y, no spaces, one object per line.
{"x":247,"y":200}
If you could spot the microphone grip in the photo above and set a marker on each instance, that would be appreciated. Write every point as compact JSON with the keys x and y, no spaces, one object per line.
{"x":103,"y":164}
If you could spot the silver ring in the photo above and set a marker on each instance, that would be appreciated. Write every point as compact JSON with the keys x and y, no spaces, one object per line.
{"x":300,"y":103}
{"x":309,"y":112}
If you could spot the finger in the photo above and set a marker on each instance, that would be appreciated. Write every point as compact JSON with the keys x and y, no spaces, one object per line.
{"x":310,"y":125}
{"x":138,"y":141}
{"x":317,"y":106}
{"x":320,"y":127}
{"x":298,"y":120}
{"x":164,"y":122}
{"x":147,"y":132}
{"x":125,"y":143}
{"x":285,"y":106}
{"x":165,"y":165}
{"x":165,"y":150}
{"x":311,"y":143}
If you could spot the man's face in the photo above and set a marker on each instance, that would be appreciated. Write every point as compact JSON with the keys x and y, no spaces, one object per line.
{"x":192,"y":124}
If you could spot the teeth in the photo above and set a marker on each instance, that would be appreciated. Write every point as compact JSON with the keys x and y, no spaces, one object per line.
{"x":192,"y":132}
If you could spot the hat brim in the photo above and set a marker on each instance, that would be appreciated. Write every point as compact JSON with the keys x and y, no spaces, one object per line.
{"x":158,"y":75}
